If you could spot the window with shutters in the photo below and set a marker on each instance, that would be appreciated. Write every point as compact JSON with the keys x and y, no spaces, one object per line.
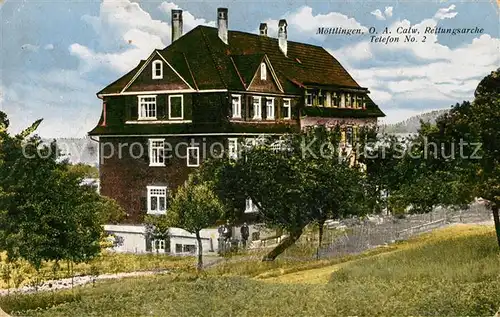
{"x":157,"y":199}
{"x":156,"y":152}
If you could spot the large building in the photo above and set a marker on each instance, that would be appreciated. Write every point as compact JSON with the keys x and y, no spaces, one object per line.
{"x":205,"y":91}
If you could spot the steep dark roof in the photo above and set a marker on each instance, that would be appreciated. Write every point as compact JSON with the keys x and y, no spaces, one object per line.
{"x":120,"y":83}
{"x":247,"y":65}
{"x":203,"y":60}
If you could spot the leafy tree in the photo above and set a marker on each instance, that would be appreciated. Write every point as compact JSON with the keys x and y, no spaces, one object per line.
{"x":458,"y":158}
{"x":85,"y":170}
{"x":193,"y":208}
{"x":45,"y":212}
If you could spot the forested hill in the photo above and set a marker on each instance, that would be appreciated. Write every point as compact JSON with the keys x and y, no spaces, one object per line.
{"x":78,"y":150}
{"x":412,"y":124}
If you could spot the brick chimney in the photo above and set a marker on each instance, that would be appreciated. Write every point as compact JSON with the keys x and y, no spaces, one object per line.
{"x":222,"y":24}
{"x":282,"y":35}
{"x":263,"y":29}
{"x":176,"y":24}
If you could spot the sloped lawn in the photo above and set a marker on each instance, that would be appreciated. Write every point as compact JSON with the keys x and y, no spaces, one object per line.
{"x":452,"y":272}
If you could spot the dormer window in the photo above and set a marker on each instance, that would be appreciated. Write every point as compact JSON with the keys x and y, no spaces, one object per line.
{"x":157,"y":69}
{"x":263,"y":71}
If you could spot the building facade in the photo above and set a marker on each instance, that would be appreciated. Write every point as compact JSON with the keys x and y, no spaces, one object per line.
{"x":205,"y":91}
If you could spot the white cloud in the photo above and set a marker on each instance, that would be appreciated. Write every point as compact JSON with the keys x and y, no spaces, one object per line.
{"x":30,"y":47}
{"x":2,"y":92}
{"x":60,"y":97}
{"x":378,"y":14}
{"x":189,"y":21}
{"x":388,"y":12}
{"x":439,"y":73}
{"x":304,"y":22}
{"x":382,"y":16}
{"x":445,"y":13}
{"x":127,"y":34}
{"x":48,"y":47}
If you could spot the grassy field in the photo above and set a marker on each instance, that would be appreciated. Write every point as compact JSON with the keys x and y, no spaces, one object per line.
{"x":23,"y":274}
{"x":450,"y":272}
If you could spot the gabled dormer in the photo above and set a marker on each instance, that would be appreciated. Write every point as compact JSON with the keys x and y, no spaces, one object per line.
{"x":157,"y":74}
{"x":257,"y":73}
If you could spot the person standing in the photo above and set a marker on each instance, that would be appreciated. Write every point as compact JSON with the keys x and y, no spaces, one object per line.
{"x":245,"y":233}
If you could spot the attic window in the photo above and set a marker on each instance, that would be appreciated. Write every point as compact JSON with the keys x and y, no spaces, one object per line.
{"x":263,"y":71}
{"x":157,"y":69}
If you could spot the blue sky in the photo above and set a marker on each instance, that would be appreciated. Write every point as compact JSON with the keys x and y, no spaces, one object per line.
{"x":55,"y":55}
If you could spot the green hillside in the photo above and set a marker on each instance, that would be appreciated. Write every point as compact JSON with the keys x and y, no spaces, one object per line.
{"x":449,"y":272}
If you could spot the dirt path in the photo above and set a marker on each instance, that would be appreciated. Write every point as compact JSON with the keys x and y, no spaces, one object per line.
{"x":66,"y":283}
{"x":312,"y":276}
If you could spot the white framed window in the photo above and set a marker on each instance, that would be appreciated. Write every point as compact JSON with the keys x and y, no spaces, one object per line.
{"x":176,"y":107}
{"x":236,"y":106}
{"x":232,"y":146}
{"x":263,"y":71}
{"x":287,"y":109}
{"x":309,"y":99}
{"x":359,"y":101}
{"x":257,"y":108}
{"x":147,"y":107}
{"x":342,"y":101}
{"x":157,"y":199}
{"x":348,"y":100}
{"x":250,"y":206}
{"x":156,"y":152}
{"x":321,"y":99}
{"x":349,"y":135}
{"x":335,"y":99}
{"x":157,"y":69}
{"x":269,"y":108}
{"x":193,"y":156}
{"x":158,"y":245}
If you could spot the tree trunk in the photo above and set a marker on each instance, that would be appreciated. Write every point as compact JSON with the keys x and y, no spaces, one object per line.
{"x":200,"y":252}
{"x":283,"y":245}
{"x":321,"y":224}
{"x":494,"y":209}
